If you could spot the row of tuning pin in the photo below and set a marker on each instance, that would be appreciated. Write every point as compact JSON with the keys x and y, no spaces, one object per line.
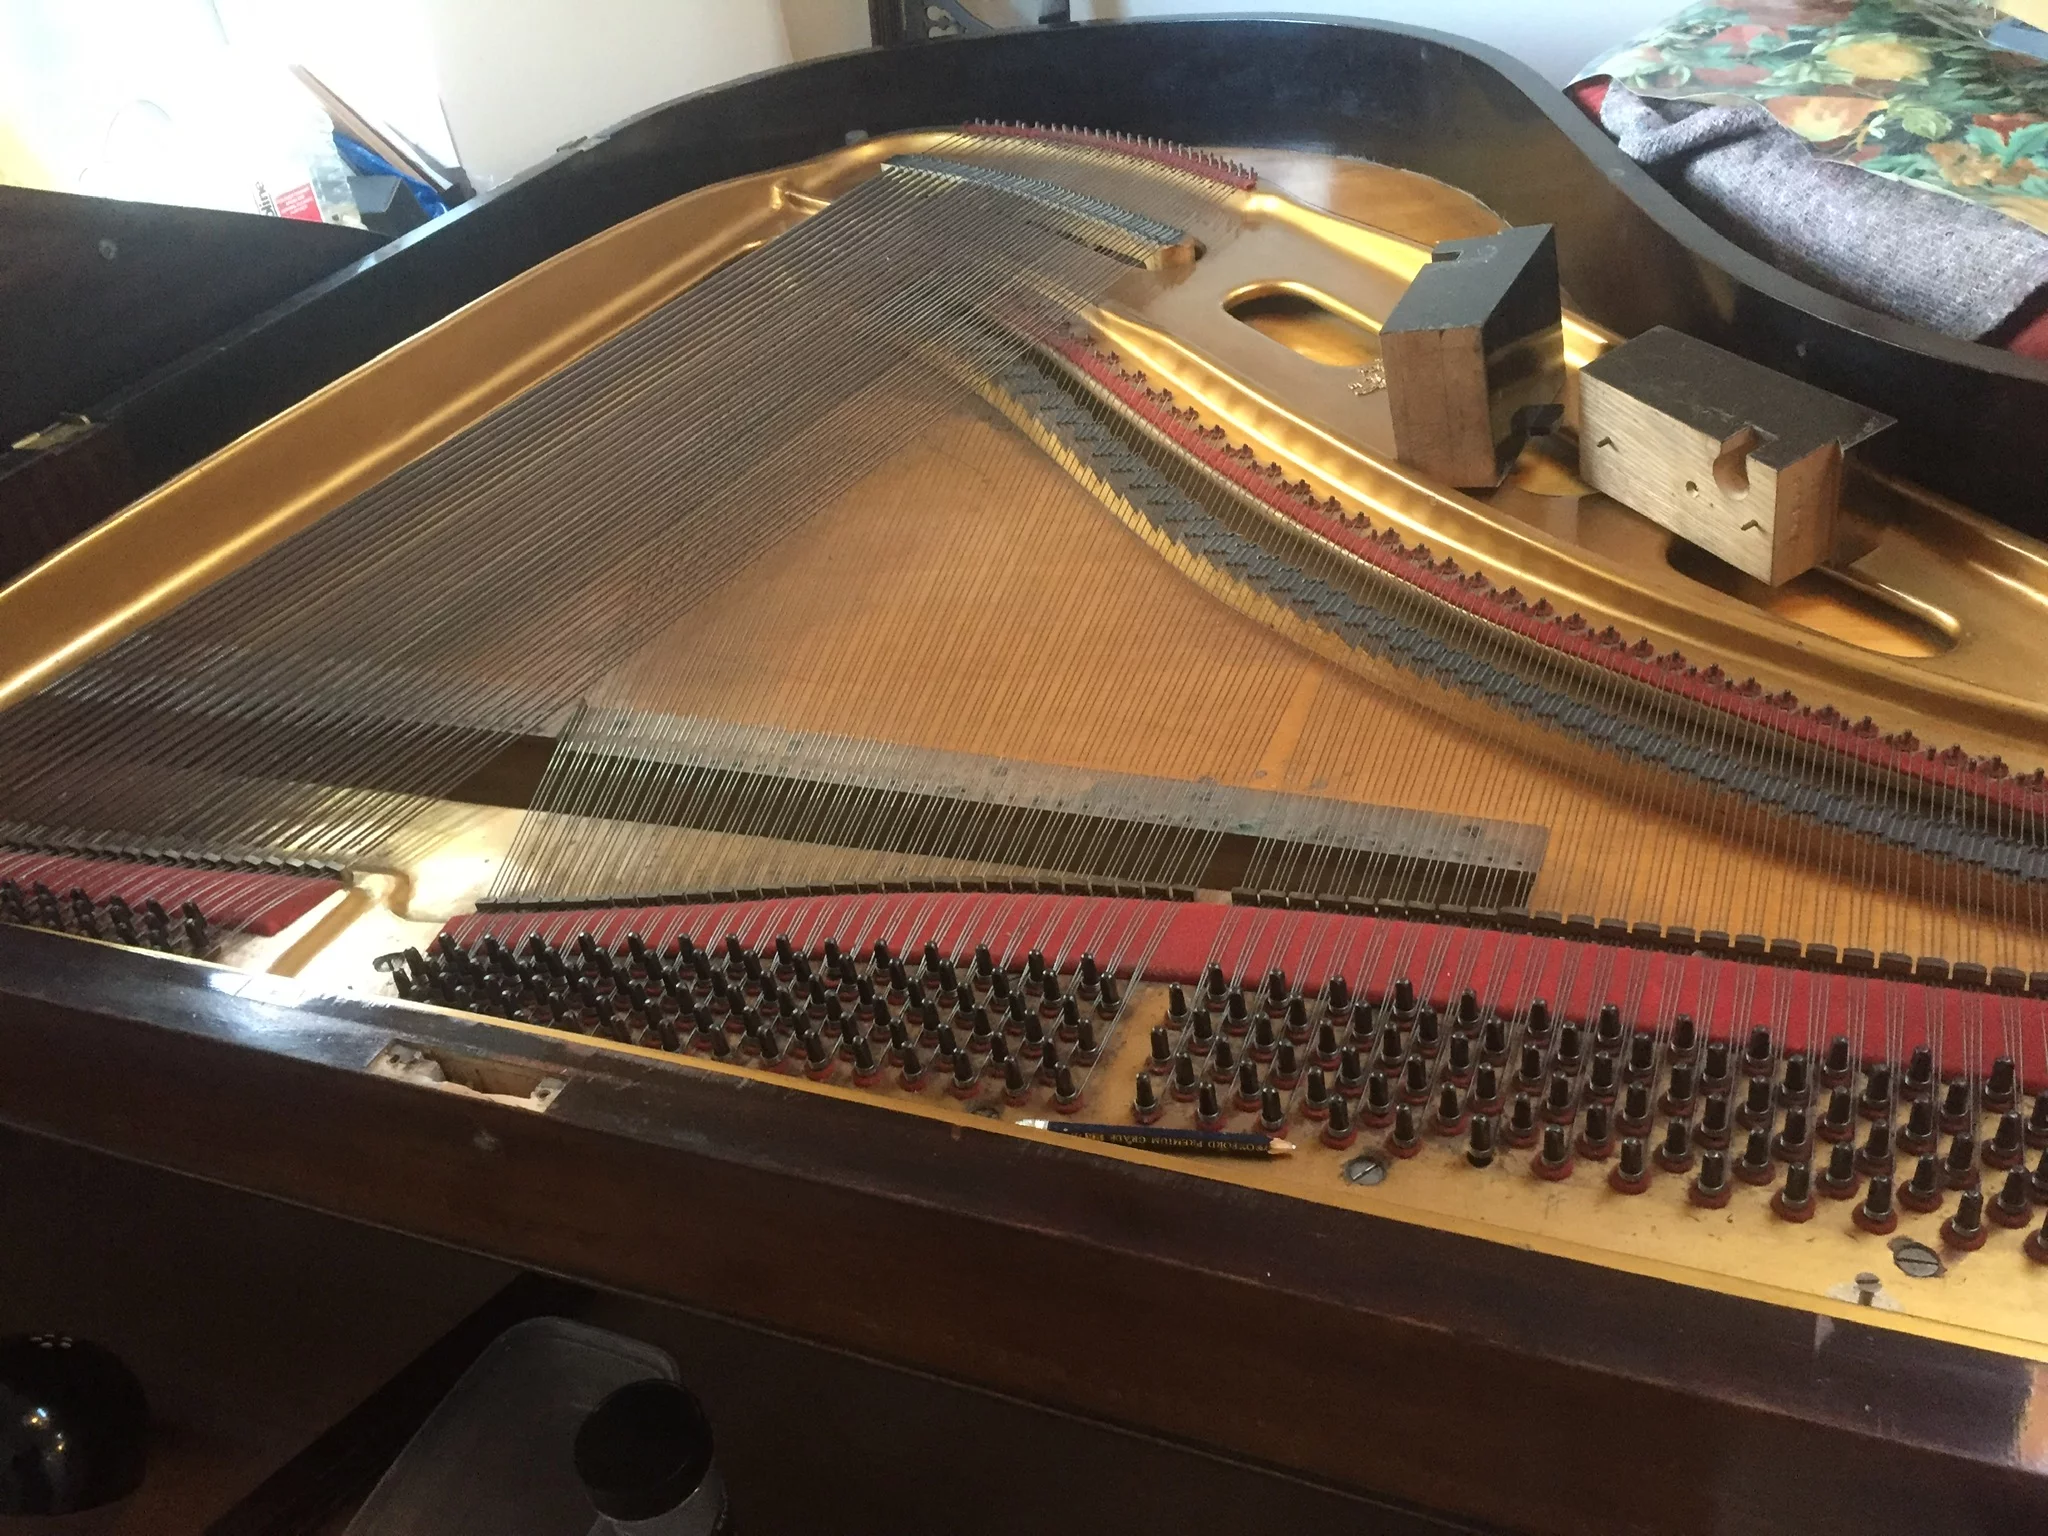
{"x":147,"y":927}
{"x":922,"y":1020}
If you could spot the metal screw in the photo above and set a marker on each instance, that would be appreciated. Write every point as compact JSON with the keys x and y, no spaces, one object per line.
{"x":109,"y":250}
{"x":1916,"y":1259}
{"x":1366,"y":1168}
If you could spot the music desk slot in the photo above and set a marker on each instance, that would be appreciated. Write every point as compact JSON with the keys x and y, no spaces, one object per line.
{"x":479,"y":1077}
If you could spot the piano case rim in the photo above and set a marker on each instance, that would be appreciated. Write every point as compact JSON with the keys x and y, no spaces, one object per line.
{"x":1527,"y":1382}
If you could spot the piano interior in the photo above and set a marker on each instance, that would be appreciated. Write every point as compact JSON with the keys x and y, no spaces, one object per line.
{"x":947,"y":623}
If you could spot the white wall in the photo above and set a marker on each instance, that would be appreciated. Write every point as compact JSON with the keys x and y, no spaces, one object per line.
{"x":521,"y":78}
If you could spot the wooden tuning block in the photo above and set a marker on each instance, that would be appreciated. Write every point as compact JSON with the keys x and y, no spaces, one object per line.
{"x":1739,"y":459}
{"x":1474,"y":355}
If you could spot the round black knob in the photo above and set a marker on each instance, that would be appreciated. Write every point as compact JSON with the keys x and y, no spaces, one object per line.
{"x":73,"y":1426}
{"x":646,"y":1451}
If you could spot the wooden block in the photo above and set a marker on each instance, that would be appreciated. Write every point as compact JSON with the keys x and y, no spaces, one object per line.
{"x":1474,"y":355}
{"x":1739,"y":459}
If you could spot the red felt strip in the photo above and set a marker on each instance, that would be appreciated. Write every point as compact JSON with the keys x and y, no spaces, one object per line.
{"x":260,"y":903}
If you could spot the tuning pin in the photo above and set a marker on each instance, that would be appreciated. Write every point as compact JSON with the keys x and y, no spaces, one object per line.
{"x":1351,"y":1072}
{"x":1923,"y":1191}
{"x":1756,"y":1107}
{"x":1479,"y":1142}
{"x":1338,"y":1130}
{"x":1596,"y":1141}
{"x":1427,"y":1036}
{"x":867,"y":1068}
{"x":910,"y":1069}
{"x":1631,"y":1173}
{"x":1493,"y":1040}
{"x":1876,"y":1215}
{"x":965,"y":1081}
{"x":1529,"y":1072}
{"x":1685,"y":1036}
{"x":1642,"y":1057}
{"x":1415,"y":1080}
{"x":1392,"y":1049}
{"x":1676,"y":1153}
{"x":1756,"y":1166}
{"x":1403,"y":998}
{"x":1710,"y":1187}
{"x":1715,"y":1076}
{"x":1536,"y":1025}
{"x":1600,"y":1078}
{"x":1795,"y":1084}
{"x":1635,"y":1110}
{"x":1086,"y":1048}
{"x":2001,"y":1088}
{"x":1315,"y":1094}
{"x":1965,"y":1229}
{"x":1839,"y":1123}
{"x":2037,"y":1121}
{"x":1956,"y":1111}
{"x":2037,"y":1244}
{"x":1326,"y":1046}
{"x":1486,"y":1093}
{"x":1520,"y":1129}
{"x":1794,"y":1201}
{"x":1458,"y":1061}
{"x":2008,"y":1145}
{"x":1920,"y":1072}
{"x":1836,"y":1068}
{"x":1202,"y":1034}
{"x":1558,"y":1099}
{"x":1402,"y":1140}
{"x":1449,"y":1117}
{"x":1016,"y":1086}
{"x":1263,"y":1039}
{"x":1554,"y":1159}
{"x":1679,"y":1092}
{"x":1875,"y":1155}
{"x":1961,"y":1169}
{"x":1570,"y":1049}
{"x":1248,"y":1084}
{"x":1208,"y":1108}
{"x":1917,"y":1135}
{"x":1341,"y":1015}
{"x":1841,"y":1180}
{"x":1235,"y":1020}
{"x":1794,"y":1144}
{"x":1376,"y":1109}
{"x":1066,"y":1094}
{"x":1272,"y":1112}
{"x":1607,"y":1028}
{"x":1286,"y":1069}
{"x":1756,"y":1055}
{"x":817,"y":1056}
{"x":2014,"y":1206}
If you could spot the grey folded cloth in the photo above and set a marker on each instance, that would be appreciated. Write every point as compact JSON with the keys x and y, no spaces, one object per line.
{"x":1944,"y":263}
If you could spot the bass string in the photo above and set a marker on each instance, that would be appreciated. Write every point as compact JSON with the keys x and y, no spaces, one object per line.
{"x":322,"y":637}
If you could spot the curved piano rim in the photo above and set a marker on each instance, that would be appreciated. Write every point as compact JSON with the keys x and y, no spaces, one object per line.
{"x":1631,"y":254}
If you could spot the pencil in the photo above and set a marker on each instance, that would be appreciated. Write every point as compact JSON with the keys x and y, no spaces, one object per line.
{"x":1166,"y":1138}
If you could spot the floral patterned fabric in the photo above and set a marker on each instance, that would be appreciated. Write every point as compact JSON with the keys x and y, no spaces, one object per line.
{"x":1908,"y":89}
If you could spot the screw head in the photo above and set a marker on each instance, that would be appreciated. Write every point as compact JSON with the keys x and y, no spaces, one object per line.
{"x":1366,"y":1168}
